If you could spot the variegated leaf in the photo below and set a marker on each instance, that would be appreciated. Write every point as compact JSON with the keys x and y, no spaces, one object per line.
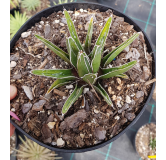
{"x":55,"y":49}
{"x":95,"y":64}
{"x":122,"y":76}
{"x":83,"y":65}
{"x":111,"y":72}
{"x":109,"y":57}
{"x":104,"y":94}
{"x":72,"y":50}
{"x":102,"y":37}
{"x":89,"y":37}
{"x":54,"y":73}
{"x":72,"y":98}
{"x":90,"y":78}
{"x":72,"y":30}
{"x":60,"y":82}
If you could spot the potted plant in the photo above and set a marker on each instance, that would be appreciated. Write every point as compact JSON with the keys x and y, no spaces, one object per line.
{"x":101,"y":86}
{"x":31,"y":150}
{"x":62,"y":1}
{"x":31,"y":7}
{"x":145,"y":141}
{"x":16,"y":21}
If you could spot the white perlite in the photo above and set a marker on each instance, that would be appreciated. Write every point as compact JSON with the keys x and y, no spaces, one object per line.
{"x":53,"y":143}
{"x":117,"y":117}
{"x":81,"y":10}
{"x":86,"y":90}
{"x":64,"y":97}
{"x":62,"y":24}
{"x":128,"y":100}
{"x":28,"y":92}
{"x":51,"y":125}
{"x":13,"y":64}
{"x":60,"y":142}
{"x":56,"y":21}
{"x":96,"y":111}
{"x":13,"y":110}
{"x":41,"y":22}
{"x":25,"y":34}
{"x":69,"y":86}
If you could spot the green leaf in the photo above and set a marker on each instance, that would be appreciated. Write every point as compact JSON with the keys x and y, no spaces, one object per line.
{"x":73,"y":51}
{"x":54,"y":73}
{"x":90,"y":78}
{"x":111,"y":72}
{"x":72,"y":98}
{"x":72,"y":30}
{"x":109,"y":57}
{"x":95,"y":64}
{"x":102,"y":37}
{"x":89,"y":37}
{"x":104,"y":94}
{"x":83,"y":65}
{"x":122,"y":76}
{"x":59,"y":82}
{"x":55,"y":49}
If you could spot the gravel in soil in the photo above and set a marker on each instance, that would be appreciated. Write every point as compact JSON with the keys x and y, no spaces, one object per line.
{"x":95,"y":122}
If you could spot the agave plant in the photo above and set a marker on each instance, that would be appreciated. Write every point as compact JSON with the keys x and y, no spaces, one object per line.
{"x":62,"y":1}
{"x":30,"y":4}
{"x":14,"y":3}
{"x":30,"y":150}
{"x":90,"y":66}
{"x":16,"y":22}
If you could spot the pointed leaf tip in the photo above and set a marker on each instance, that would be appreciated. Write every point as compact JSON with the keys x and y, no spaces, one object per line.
{"x":113,"y":54}
{"x":72,"y":98}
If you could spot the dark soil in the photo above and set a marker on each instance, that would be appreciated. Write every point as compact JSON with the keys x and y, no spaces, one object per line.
{"x":143,"y":139}
{"x":82,"y":126}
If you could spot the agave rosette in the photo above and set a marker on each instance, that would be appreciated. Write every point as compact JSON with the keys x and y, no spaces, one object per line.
{"x":91,"y":66}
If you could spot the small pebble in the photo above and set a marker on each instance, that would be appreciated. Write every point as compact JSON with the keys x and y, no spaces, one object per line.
{"x":96,"y":111}
{"x":13,"y":110}
{"x":53,"y":143}
{"x":28,"y":92}
{"x":60,"y":142}
{"x":41,"y":22}
{"x":13,"y":64}
{"x":51,"y":125}
{"x":62,"y":24}
{"x":81,"y":10}
{"x":69,"y":86}
{"x":86,"y":90}
{"x":128,"y":100}
{"x":25,"y":34}
{"x":56,"y":21}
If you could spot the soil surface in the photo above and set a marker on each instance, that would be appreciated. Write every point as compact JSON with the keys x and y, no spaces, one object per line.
{"x":143,"y":140}
{"x":82,"y":126}
{"x":43,"y":5}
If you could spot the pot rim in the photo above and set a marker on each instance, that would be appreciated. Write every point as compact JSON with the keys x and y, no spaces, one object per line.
{"x":90,"y":5}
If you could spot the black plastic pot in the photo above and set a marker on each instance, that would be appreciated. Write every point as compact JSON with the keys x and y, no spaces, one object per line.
{"x":72,"y":6}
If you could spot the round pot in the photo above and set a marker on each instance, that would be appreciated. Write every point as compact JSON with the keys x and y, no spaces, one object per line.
{"x":72,"y":6}
{"x":136,"y":136}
